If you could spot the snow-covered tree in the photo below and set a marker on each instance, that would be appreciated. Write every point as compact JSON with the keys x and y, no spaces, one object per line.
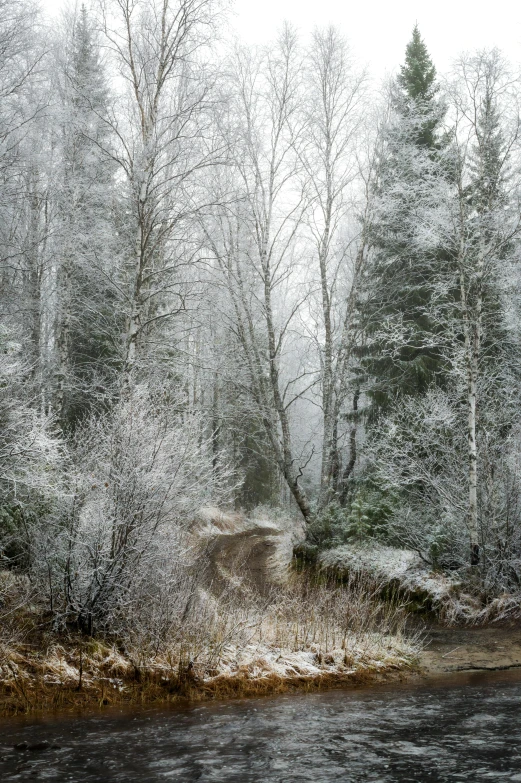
{"x":401,"y":353}
{"x":483,"y":240}
{"x":134,"y":480}
{"x":332,"y":129}
{"x":163,"y":125}
{"x":253,"y":237}
{"x":85,"y":244}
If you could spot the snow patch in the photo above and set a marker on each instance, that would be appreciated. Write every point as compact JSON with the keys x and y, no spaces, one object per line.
{"x":387,"y":565}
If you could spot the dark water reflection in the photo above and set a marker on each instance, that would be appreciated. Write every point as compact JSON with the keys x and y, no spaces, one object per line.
{"x":463,"y":730}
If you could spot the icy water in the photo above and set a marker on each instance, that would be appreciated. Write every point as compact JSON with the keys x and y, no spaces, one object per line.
{"x":468,"y":729}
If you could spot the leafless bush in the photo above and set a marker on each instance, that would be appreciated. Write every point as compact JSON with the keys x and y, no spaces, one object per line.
{"x":135,"y":478}
{"x":16,"y":594}
{"x":213,"y":630}
{"x":331,"y":615}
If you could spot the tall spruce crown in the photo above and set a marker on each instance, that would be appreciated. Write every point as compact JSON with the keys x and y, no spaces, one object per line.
{"x":417,"y":77}
{"x":418,"y":88}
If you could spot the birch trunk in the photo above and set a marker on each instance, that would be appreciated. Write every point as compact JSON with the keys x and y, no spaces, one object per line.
{"x":34,"y":283}
{"x":475,"y":349}
{"x":473,"y":462}
{"x":329,"y":445}
{"x":133,"y":328}
{"x":285,"y":454}
{"x":471,"y":303}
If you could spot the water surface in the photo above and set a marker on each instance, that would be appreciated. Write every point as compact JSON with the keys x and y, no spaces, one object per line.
{"x":465,"y":729}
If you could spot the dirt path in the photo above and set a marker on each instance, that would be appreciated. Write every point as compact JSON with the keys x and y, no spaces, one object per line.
{"x":472,"y":649}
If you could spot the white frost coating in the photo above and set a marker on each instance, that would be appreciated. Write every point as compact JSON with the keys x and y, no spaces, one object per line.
{"x":387,"y":564}
{"x":447,"y":593}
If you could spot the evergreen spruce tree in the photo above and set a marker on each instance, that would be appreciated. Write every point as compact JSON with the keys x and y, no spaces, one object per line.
{"x":87,"y":329}
{"x":418,"y":91}
{"x":400,"y":354}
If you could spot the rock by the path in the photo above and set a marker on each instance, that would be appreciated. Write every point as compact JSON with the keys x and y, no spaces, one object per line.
{"x":471,"y":649}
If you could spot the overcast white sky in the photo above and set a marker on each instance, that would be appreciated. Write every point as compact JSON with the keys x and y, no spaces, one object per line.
{"x":378,"y":30}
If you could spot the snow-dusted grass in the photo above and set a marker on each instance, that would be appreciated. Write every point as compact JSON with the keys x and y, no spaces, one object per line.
{"x":303,"y":635}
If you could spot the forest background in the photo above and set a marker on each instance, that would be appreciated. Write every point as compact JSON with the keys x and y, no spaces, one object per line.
{"x":244,"y":278}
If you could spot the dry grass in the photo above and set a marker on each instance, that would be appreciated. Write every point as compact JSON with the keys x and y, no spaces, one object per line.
{"x":463,"y":608}
{"x":304,"y":636}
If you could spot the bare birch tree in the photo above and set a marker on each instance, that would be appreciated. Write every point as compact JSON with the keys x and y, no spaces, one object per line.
{"x":336,"y":100}
{"x":486,"y":222}
{"x":24,"y":168}
{"x":254,"y":240}
{"x":161,"y":128}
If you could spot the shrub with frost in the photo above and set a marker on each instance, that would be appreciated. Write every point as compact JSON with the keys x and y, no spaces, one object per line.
{"x":31,"y":454}
{"x":136,"y":477}
{"x":420,"y":452}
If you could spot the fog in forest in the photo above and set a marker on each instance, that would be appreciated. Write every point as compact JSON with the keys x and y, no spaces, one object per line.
{"x":259,"y":322}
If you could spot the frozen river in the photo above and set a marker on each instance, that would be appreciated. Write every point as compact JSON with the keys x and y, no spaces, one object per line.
{"x":465,"y":729}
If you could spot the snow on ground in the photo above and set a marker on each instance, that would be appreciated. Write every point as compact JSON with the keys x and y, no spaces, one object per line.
{"x":387,"y":565}
{"x":259,"y":661}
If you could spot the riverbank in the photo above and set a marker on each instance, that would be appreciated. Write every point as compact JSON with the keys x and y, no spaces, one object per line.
{"x":455,"y":727}
{"x":309,"y":634}
{"x":306,"y":635}
{"x":93,"y":675}
{"x":489,"y":648}
{"x":90,"y":675}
